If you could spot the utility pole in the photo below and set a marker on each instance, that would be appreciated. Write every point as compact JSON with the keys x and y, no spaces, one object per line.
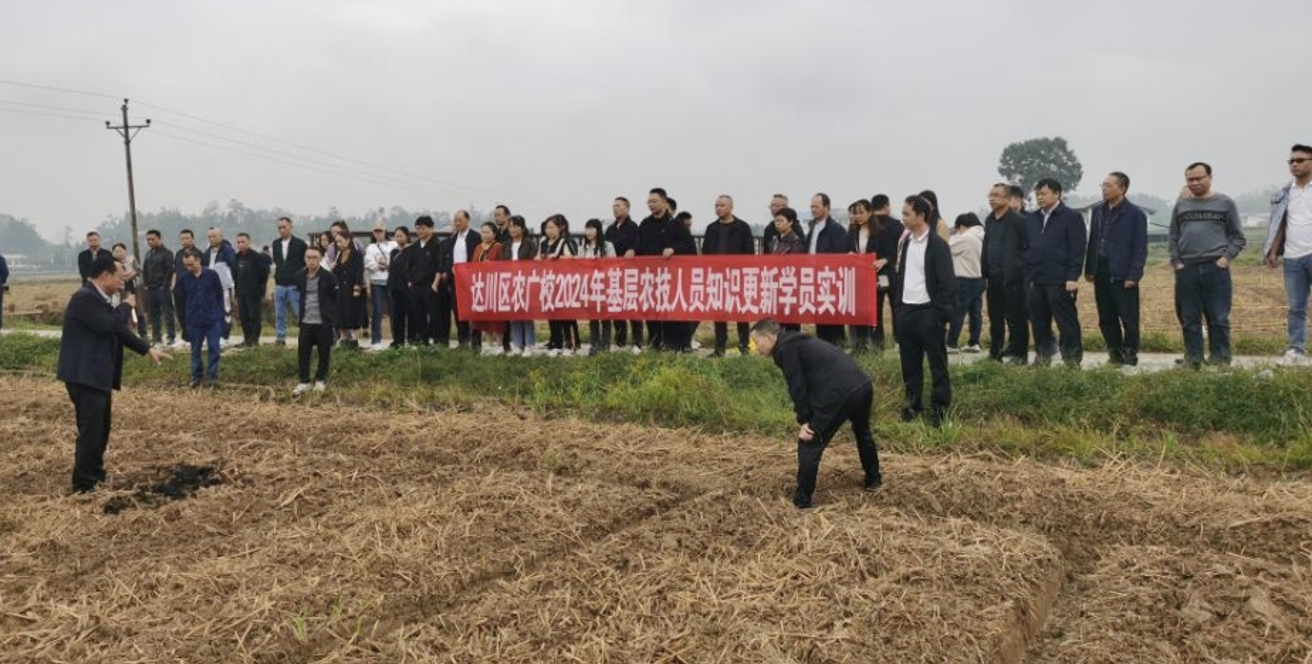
{"x":129,"y":132}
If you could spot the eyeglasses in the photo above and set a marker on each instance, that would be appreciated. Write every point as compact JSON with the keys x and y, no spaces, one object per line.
{"x":1298,"y":160}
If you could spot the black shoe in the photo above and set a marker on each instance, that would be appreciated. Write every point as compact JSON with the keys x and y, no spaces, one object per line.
{"x":280,"y":342}
{"x":1017,"y":361}
{"x":195,"y":383}
{"x":936,"y":419}
{"x":910,"y":414}
{"x":801,"y":503}
{"x":719,"y":352}
{"x":872,"y":484}
{"x":1130,"y":358}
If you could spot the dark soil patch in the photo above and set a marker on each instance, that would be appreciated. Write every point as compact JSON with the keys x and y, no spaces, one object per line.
{"x":180,"y":482}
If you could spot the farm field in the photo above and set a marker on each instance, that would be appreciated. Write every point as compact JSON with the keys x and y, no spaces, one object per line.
{"x":242,"y":529}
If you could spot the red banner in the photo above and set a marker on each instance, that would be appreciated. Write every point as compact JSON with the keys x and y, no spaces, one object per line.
{"x":828,"y":289}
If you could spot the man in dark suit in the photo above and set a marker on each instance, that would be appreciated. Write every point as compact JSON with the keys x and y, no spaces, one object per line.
{"x":89,"y":256}
{"x":1114,"y":262}
{"x":252,"y":282}
{"x":652,"y":242}
{"x":1054,"y":262}
{"x":827,"y":389}
{"x":924,"y":297}
{"x":91,"y":362}
{"x":455,"y":250}
{"x":422,"y":267}
{"x":728,"y":235}
{"x":288,"y":259}
{"x":622,"y":234}
{"x":1003,"y":262}
{"x":676,"y":335}
{"x":826,"y":237}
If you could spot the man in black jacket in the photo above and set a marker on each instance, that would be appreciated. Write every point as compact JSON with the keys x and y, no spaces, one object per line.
{"x":677,"y":335}
{"x":728,"y":235}
{"x":1053,"y":263}
{"x":251,"y":287}
{"x":1003,"y":260}
{"x":288,"y":260}
{"x":422,"y":265}
{"x":622,"y":234}
{"x":89,"y":256}
{"x":827,"y":389}
{"x":456,"y":249}
{"x":157,"y":279}
{"x":1114,"y":262}
{"x":91,"y":363}
{"x":924,"y":297}
{"x":826,"y":237}
{"x":652,"y":242}
{"x":318,"y":289}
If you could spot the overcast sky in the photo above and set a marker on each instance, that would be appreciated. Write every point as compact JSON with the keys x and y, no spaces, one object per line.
{"x":560,"y":106}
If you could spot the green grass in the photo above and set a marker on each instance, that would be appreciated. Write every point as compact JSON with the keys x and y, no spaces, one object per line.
{"x":1233,"y":419}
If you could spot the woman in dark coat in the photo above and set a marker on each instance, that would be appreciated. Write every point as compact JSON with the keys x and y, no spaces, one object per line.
{"x":348,"y":270}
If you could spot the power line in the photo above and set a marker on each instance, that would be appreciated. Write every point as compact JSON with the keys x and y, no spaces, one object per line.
{"x":52,"y":88}
{"x":48,"y":107}
{"x":49,"y":115}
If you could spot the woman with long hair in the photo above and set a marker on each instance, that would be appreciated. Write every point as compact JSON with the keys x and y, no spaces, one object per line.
{"x":862,"y":237}
{"x":889,"y":231}
{"x":936,"y":221}
{"x":596,"y":246}
{"x":398,"y":288}
{"x":348,"y":270}
{"x":557,"y":245}
{"x":488,"y":250}
{"x":520,"y":246}
{"x":787,"y":241}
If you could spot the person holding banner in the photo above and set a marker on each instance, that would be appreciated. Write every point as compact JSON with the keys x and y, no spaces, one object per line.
{"x":826,"y":237}
{"x":827,"y":388}
{"x":651,"y":242}
{"x":520,"y":247}
{"x":596,"y":246}
{"x":787,"y":240}
{"x":728,"y":235}
{"x":487,"y":250}
{"x":623,"y":235}
{"x":863,"y":239}
{"x":555,"y":246}
{"x":679,"y":242}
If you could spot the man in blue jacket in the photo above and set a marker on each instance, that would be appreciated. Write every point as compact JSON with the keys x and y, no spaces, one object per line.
{"x":91,"y":362}
{"x":204,"y":295}
{"x":1117,"y":252}
{"x":1053,"y":262}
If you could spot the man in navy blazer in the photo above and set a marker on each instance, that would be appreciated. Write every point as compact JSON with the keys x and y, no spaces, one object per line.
{"x":826,"y":237}
{"x":1114,"y":261}
{"x":1054,"y":260}
{"x":456,"y":249}
{"x":91,"y":362}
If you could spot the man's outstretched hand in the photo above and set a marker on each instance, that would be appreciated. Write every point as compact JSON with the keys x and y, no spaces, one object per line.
{"x":806,"y":433}
{"x":158,"y":354}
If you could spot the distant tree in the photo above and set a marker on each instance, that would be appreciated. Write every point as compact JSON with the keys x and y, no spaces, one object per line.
{"x":19,"y":236}
{"x":1026,"y":162}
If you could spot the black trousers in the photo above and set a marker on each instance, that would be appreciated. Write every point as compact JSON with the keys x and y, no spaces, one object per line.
{"x":250,"y":310}
{"x":878,"y":334}
{"x":398,"y":313}
{"x":1118,"y":313}
{"x":921,"y":335}
{"x":312,"y":337}
{"x":834,"y":334}
{"x":1049,"y":302}
{"x":423,"y":314}
{"x":856,"y":409}
{"x":448,"y":309}
{"x":93,"y":423}
{"x":599,"y":333}
{"x":677,"y":335}
{"x":655,"y":334}
{"x":159,"y":305}
{"x":180,"y":308}
{"x":1009,"y":313}
{"x":722,"y":336}
{"x":622,"y":329}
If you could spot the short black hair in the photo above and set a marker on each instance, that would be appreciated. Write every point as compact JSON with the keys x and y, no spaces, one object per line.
{"x":1299,"y":147}
{"x":103,"y":264}
{"x":787,"y":213}
{"x":402,"y":230}
{"x":286,"y":219}
{"x":91,"y":233}
{"x":152,"y":232}
{"x":191,"y":252}
{"x":1050,"y":184}
{"x":860,"y":204}
{"x":119,"y":244}
{"x":781,"y":197}
{"x":244,"y":234}
{"x":186,"y":231}
{"x":824,"y":199}
{"x":626,"y":201}
{"x":313,"y":246}
{"x":1121,"y":178}
{"x":674,"y":205}
{"x":504,"y":210}
{"x":967,"y":220}
{"x":660,"y":192}
{"x":1200,"y":164}
{"x":461,"y":213}
{"x":767,"y":326}
{"x":1014,"y":191}
{"x":879,"y":201}
{"x":920,"y":205}
{"x":424,"y":221}
{"x":683,"y":216}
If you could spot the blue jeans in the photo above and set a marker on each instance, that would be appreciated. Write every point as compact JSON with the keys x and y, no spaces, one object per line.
{"x":1204,"y":290}
{"x":970,"y":300}
{"x":210,"y":336}
{"x":1298,"y":281}
{"x":285,"y":297}
{"x":523,"y":334}
{"x":379,"y":295}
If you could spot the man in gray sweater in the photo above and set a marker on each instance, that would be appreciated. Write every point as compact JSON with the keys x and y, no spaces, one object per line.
{"x":1205,"y":237}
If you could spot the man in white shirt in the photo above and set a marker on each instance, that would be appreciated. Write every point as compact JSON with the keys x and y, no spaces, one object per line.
{"x":1290,"y":235}
{"x":924,"y":297}
{"x":376,"y":258}
{"x":456,"y":250}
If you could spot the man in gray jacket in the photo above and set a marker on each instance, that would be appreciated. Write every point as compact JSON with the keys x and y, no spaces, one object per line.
{"x":1205,"y":236}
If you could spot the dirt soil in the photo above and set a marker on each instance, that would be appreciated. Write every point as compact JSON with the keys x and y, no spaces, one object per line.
{"x":330,"y":533}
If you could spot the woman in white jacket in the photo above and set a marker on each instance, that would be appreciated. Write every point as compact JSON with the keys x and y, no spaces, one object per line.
{"x":967,"y":242}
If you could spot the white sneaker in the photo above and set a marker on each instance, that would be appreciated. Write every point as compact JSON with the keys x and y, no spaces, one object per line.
{"x":637,"y":350}
{"x":953,"y":350}
{"x":973,"y":348}
{"x":1294,"y":358}
{"x":301,"y":388}
{"x":495,"y":351}
{"x":319,"y":386}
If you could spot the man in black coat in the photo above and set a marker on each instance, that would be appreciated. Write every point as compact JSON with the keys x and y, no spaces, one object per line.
{"x":456,"y":249}
{"x":652,"y":242}
{"x":1054,"y":263}
{"x":91,"y":362}
{"x":1114,"y":262}
{"x":826,"y":237}
{"x":676,"y":335}
{"x":251,"y":286}
{"x":422,"y":266}
{"x":924,"y":297}
{"x":1003,"y":262}
{"x":622,"y":234}
{"x":288,"y":260}
{"x":728,"y":235}
{"x":318,"y":321}
{"x":89,"y":255}
{"x":827,"y":389}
